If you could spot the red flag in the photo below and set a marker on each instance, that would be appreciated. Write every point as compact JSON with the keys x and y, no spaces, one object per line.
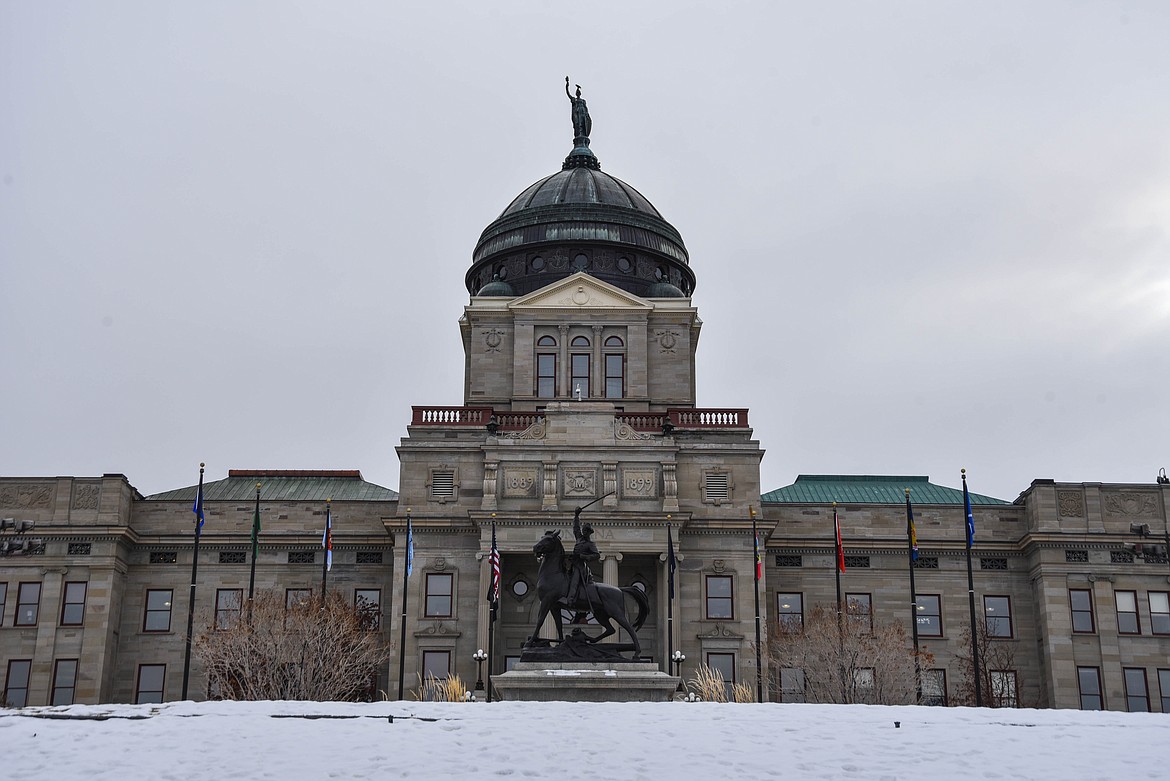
{"x":759,"y":560}
{"x":840,"y":547}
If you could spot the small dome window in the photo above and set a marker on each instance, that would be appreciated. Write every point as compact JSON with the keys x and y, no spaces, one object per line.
{"x":614,"y":341}
{"x":546,"y":341}
{"x":579,"y":341}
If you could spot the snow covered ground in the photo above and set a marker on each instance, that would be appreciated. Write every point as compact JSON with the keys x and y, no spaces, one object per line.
{"x":215,"y":741}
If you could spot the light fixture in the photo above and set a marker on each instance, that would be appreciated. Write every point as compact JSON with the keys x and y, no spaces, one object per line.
{"x":480,"y":656}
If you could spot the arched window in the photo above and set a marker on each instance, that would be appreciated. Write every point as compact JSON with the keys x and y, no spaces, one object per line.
{"x":615,"y":368}
{"x":546,"y":369}
{"x":579,"y":367}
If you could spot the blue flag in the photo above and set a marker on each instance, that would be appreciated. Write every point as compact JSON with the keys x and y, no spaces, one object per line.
{"x":970,"y":517}
{"x":327,"y":539}
{"x":197,"y":508}
{"x":409,"y":547}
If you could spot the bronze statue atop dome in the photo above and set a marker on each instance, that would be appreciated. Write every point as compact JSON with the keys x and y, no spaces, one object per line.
{"x":582,"y":123}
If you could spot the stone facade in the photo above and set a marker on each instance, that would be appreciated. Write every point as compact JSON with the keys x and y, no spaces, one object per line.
{"x":581,"y":393}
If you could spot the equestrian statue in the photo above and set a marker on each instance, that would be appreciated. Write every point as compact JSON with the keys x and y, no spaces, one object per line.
{"x":565,"y":580}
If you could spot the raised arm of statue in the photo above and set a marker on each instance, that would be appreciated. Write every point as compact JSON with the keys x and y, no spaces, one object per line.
{"x":577,"y":523}
{"x":570,"y":94}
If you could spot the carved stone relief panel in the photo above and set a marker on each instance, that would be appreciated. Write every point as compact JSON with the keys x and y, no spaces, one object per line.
{"x":1072,"y":504}
{"x":639,"y":483}
{"x":30,"y":495}
{"x":521,"y":482}
{"x":85,"y":497}
{"x":579,"y":482}
{"x":492,"y":339}
{"x":1131,"y":505}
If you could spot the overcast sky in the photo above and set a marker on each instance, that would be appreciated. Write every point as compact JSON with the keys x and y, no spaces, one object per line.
{"x":927,"y":235}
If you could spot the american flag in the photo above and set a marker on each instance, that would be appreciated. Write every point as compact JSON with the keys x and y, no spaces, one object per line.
{"x":493,"y":595}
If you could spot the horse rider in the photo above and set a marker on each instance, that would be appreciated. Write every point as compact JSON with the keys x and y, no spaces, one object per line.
{"x":584,"y":551}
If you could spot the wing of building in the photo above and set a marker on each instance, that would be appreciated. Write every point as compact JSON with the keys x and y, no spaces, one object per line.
{"x":580,"y":345}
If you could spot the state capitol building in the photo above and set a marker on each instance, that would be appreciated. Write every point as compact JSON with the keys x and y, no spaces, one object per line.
{"x":580,"y":344}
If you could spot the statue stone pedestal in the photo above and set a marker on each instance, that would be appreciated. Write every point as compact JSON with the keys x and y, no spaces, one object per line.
{"x":550,"y":681}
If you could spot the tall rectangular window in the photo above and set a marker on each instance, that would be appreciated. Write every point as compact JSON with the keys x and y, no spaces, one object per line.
{"x":64,"y":681}
{"x":792,"y":684}
{"x":436,"y":664}
{"x":439,"y":596}
{"x":1159,"y":612}
{"x":615,"y":376}
{"x":368,"y":602}
{"x":859,"y":611}
{"x":1127,"y":616}
{"x":73,"y":604}
{"x":28,"y":604}
{"x":157,"y":616}
{"x":1081,"y":603}
{"x":16,"y":684}
{"x":1089,"y":683}
{"x":724,"y":664}
{"x":934,"y":687}
{"x":1137,"y":695}
{"x":151,"y":678}
{"x":3,"y":601}
{"x":719,"y":602}
{"x":1164,"y":689}
{"x":1004,"y":689}
{"x":998,"y":614}
{"x":546,"y":375}
{"x":227,"y":607}
{"x":579,"y":379}
{"x":296,"y":597}
{"x":929,"y":615}
{"x":790,"y":612}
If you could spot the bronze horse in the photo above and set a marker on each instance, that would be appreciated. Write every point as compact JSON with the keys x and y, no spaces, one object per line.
{"x":601,"y":599}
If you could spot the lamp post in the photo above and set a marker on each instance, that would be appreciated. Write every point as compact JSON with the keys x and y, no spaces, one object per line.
{"x":678,"y":657}
{"x":480,"y":657}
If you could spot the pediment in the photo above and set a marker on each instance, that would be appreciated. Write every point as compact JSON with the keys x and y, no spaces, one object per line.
{"x":580,"y":291}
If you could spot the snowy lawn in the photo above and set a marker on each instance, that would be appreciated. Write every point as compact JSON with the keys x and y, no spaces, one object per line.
{"x":308,"y":741}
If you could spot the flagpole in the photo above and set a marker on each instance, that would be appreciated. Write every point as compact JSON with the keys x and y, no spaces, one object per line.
{"x":327,"y":544}
{"x":670,"y":600}
{"x":912,"y":555}
{"x":194,"y":573}
{"x":255,"y":549}
{"x":756,"y":564}
{"x":493,"y":602}
{"x":971,"y":592}
{"x":406,"y":567}
{"x":840,"y":618}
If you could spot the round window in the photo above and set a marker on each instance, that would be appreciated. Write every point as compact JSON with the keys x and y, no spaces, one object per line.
{"x":537,"y":263}
{"x":624,"y":264}
{"x":520,"y":588}
{"x":502,"y":272}
{"x":581,"y":262}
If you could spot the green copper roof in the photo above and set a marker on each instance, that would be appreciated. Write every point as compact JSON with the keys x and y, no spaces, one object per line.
{"x":289,"y":485}
{"x":869,"y":489}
